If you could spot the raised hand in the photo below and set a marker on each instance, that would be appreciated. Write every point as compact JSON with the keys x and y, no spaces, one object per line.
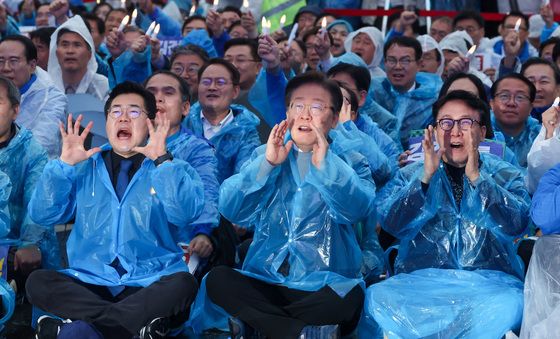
{"x":214,"y":23}
{"x":156,"y":146}
{"x":345,"y":112}
{"x":431,"y":157}
{"x":73,"y":150}
{"x":139,"y":44}
{"x":457,"y":64}
{"x":115,"y":43}
{"x":471,"y":169}
{"x":403,"y":158}
{"x":248,"y":22}
{"x":276,"y":151}
{"x":323,"y":45}
{"x":269,"y":52}
{"x":59,"y":9}
{"x":320,"y":147}
{"x":156,"y":49}
{"x":201,"y":245}
{"x":550,"y":120}
{"x":512,"y":44}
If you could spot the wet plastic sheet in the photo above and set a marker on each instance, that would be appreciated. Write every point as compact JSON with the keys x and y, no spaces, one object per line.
{"x":438,"y":303}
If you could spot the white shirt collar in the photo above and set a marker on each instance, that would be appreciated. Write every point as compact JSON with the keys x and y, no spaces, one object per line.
{"x":211,"y":130}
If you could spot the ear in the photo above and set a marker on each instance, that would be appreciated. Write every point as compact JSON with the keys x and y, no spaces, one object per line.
{"x":186,"y":106}
{"x":33,"y":65}
{"x":362,"y":98}
{"x":236,"y":90}
{"x":16,"y":112}
{"x":482,"y":133}
{"x":492,"y":104}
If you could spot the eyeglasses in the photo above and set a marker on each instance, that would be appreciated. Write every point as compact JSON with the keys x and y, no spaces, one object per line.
{"x":219,"y":82}
{"x":513,"y":27}
{"x":179,"y":69}
{"x":13,"y":62}
{"x":392,"y":62}
{"x":464,"y":123}
{"x":519,"y":99}
{"x":238,"y":61}
{"x":315,"y":108}
{"x":133,"y":111}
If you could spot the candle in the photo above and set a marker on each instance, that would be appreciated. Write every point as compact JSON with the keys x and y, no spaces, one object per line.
{"x":323,"y":28}
{"x":471,"y":51}
{"x":192,"y":11}
{"x":123,"y":3}
{"x":123,"y":23}
{"x":385,"y":18}
{"x":292,"y":35}
{"x":151,"y":28}
{"x":133,"y":18}
{"x":428,"y":18}
{"x":264,"y":26}
{"x":215,"y":5}
{"x":282,"y":21}
{"x":156,"y":32}
{"x":245,"y":6}
{"x":556,"y":102}
{"x":517,"y":25}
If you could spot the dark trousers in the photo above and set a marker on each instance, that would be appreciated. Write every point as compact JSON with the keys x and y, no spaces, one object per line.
{"x":120,"y":316}
{"x":280,"y":312}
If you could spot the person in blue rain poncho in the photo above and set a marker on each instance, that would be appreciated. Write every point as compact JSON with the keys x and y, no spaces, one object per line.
{"x":304,"y":248}
{"x":25,"y":245}
{"x":7,"y":294}
{"x":512,"y":97}
{"x":405,"y":92}
{"x":456,"y":214}
{"x":232,"y":129}
{"x":126,"y":198}
{"x":172,"y":97}
{"x":42,"y":105}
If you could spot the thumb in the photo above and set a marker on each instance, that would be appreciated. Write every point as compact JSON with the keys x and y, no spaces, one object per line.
{"x":289,"y":145}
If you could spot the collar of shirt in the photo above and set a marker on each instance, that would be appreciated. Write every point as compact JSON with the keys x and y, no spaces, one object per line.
{"x":28,"y":84}
{"x":211,"y":130}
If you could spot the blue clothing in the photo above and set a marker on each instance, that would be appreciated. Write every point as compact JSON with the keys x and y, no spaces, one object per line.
{"x":435,"y":232}
{"x":168,"y":26}
{"x":525,"y":53}
{"x":12,"y":27}
{"x":200,"y":155}
{"x":136,"y":230}
{"x":547,"y":32}
{"x":544,"y":209}
{"x":303,"y":216}
{"x":23,"y":160}
{"x":387,"y":145}
{"x":219,"y":43}
{"x":27,"y":21}
{"x":355,"y":21}
{"x":413,"y":109}
{"x":234,"y":143}
{"x":200,"y":38}
{"x":267,"y":96}
{"x":131,"y":66}
{"x":520,"y":144}
{"x":102,"y":66}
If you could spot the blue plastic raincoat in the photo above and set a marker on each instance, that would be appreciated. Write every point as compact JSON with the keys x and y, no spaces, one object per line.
{"x":136,"y":230}
{"x":520,"y":144}
{"x":434,"y":232}
{"x":131,"y":66}
{"x":169,"y":26}
{"x":412,"y":109}
{"x":234,"y":143}
{"x":42,"y":108}
{"x":387,"y":145}
{"x":23,"y":161}
{"x":200,"y":155}
{"x":544,"y":209}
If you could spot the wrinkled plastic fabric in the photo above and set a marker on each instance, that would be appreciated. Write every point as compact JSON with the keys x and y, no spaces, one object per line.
{"x":520,"y":144}
{"x":377,"y":39}
{"x":304,"y":223}
{"x":23,"y":161}
{"x":413,"y":109}
{"x":205,"y":314}
{"x":42,"y":108}
{"x":234,"y":143}
{"x":131,"y":66}
{"x":509,"y":156}
{"x":169,"y":26}
{"x":91,"y":83}
{"x":437,"y":303}
{"x":5,"y":192}
{"x":458,"y":42}
{"x":428,"y":44}
{"x":200,"y":155}
{"x":200,"y":38}
{"x":542,"y":157}
{"x":544,"y":208}
{"x":542,"y":290}
{"x":434,"y":232}
{"x":136,"y":230}
{"x":267,"y":96}
{"x":8,"y":302}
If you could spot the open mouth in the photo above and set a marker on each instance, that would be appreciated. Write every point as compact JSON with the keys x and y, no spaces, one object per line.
{"x":398,"y":76}
{"x":124,"y":134}
{"x":212,"y":96}
{"x":456,"y":145}
{"x":304,"y":128}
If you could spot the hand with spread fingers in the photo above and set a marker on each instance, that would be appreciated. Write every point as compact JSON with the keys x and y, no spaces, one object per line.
{"x":73,"y":150}
{"x":320,"y":147}
{"x":269,"y":52}
{"x":156,"y":146}
{"x":471,"y":168}
{"x":431,"y":157}
{"x":550,"y":120}
{"x":276,"y":151}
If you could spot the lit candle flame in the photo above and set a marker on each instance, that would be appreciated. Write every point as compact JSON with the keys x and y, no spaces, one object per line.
{"x":191,"y":12}
{"x":156,"y":31}
{"x":151,"y":28}
{"x":123,"y":24}
{"x":471,"y":51}
{"x":265,"y":26}
{"x":556,"y":102}
{"x":216,"y":3}
{"x":282,"y":21}
{"x":517,"y":25}
{"x":324,"y":23}
{"x":246,"y":5}
{"x":133,"y":19}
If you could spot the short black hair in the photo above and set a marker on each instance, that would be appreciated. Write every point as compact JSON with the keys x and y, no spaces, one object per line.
{"x":65,"y":30}
{"x":353,"y":97}
{"x":233,"y":25}
{"x":189,"y":49}
{"x":515,"y":14}
{"x":129,"y":87}
{"x":359,"y":74}
{"x":485,"y":119}
{"x":191,"y":19}
{"x":251,"y":43}
{"x":471,"y":101}
{"x":92,"y":17}
{"x":315,"y":78}
{"x":28,"y":46}
{"x":233,"y":72}
{"x":43,"y":34}
{"x":520,"y":77}
{"x":404,"y":41}
{"x":556,"y":52}
{"x":231,"y":9}
{"x":550,"y":41}
{"x":464,"y":15}
{"x":11,"y":90}
{"x":183,"y":86}
{"x":540,"y":61}
{"x":122,"y":10}
{"x":101,"y":4}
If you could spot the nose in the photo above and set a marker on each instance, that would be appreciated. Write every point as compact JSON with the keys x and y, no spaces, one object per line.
{"x":456,"y":130}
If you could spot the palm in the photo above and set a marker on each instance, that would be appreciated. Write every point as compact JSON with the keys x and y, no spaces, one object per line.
{"x":156,"y":146}
{"x":73,"y":150}
{"x":276,"y":151}
{"x":431,"y":157}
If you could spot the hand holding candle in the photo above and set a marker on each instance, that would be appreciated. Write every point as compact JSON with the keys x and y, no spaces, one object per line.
{"x":133,"y":18}
{"x":123,"y":24}
{"x":517,"y":25}
{"x":151,"y":28}
{"x":265,"y":26}
{"x":323,"y":28}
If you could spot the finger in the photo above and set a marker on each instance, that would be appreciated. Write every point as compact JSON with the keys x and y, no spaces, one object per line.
{"x":151,"y":129}
{"x":289,"y":145}
{"x":272,"y":135}
{"x":93,"y":151}
{"x":69,"y":124}
{"x":86,"y":130}
{"x":61,"y":128}
{"x":77,"y":124}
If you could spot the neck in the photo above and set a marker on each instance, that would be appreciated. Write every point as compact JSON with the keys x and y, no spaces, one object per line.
{"x":73,"y":78}
{"x":213,"y":116}
{"x":6,"y":136}
{"x":245,"y":86}
{"x":173,"y":130}
{"x":513,"y":131}
{"x":405,"y":88}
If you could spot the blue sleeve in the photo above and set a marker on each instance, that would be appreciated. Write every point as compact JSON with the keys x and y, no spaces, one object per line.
{"x":347,"y":188}
{"x":545,"y":209}
{"x":54,"y":199}
{"x":267,"y":96}
{"x":219,"y":43}
{"x":102,"y":66}
{"x":392,"y":34}
{"x":5,"y":191}
{"x":131,"y":66}
{"x":503,"y":70}
{"x":27,"y":21}
{"x":180,"y":190}
{"x":547,"y":32}
{"x":251,"y":142}
{"x":168,"y":26}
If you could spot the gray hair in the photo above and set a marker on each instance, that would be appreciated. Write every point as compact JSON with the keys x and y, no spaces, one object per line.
{"x":12,"y":90}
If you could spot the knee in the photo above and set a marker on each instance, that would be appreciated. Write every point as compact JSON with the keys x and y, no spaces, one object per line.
{"x":37,"y":285}
{"x":216,"y":278}
{"x":183,"y":283}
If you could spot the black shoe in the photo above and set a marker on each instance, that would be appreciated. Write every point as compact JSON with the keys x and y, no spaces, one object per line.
{"x":48,"y":327}
{"x":320,"y":332}
{"x":156,"y":329}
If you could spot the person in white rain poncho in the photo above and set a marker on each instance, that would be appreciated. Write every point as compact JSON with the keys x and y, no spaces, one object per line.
{"x":367,"y":42}
{"x":432,"y":60}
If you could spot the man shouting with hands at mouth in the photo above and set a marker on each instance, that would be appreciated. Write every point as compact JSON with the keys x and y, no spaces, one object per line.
{"x":301,"y":275}
{"x":456,"y":215}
